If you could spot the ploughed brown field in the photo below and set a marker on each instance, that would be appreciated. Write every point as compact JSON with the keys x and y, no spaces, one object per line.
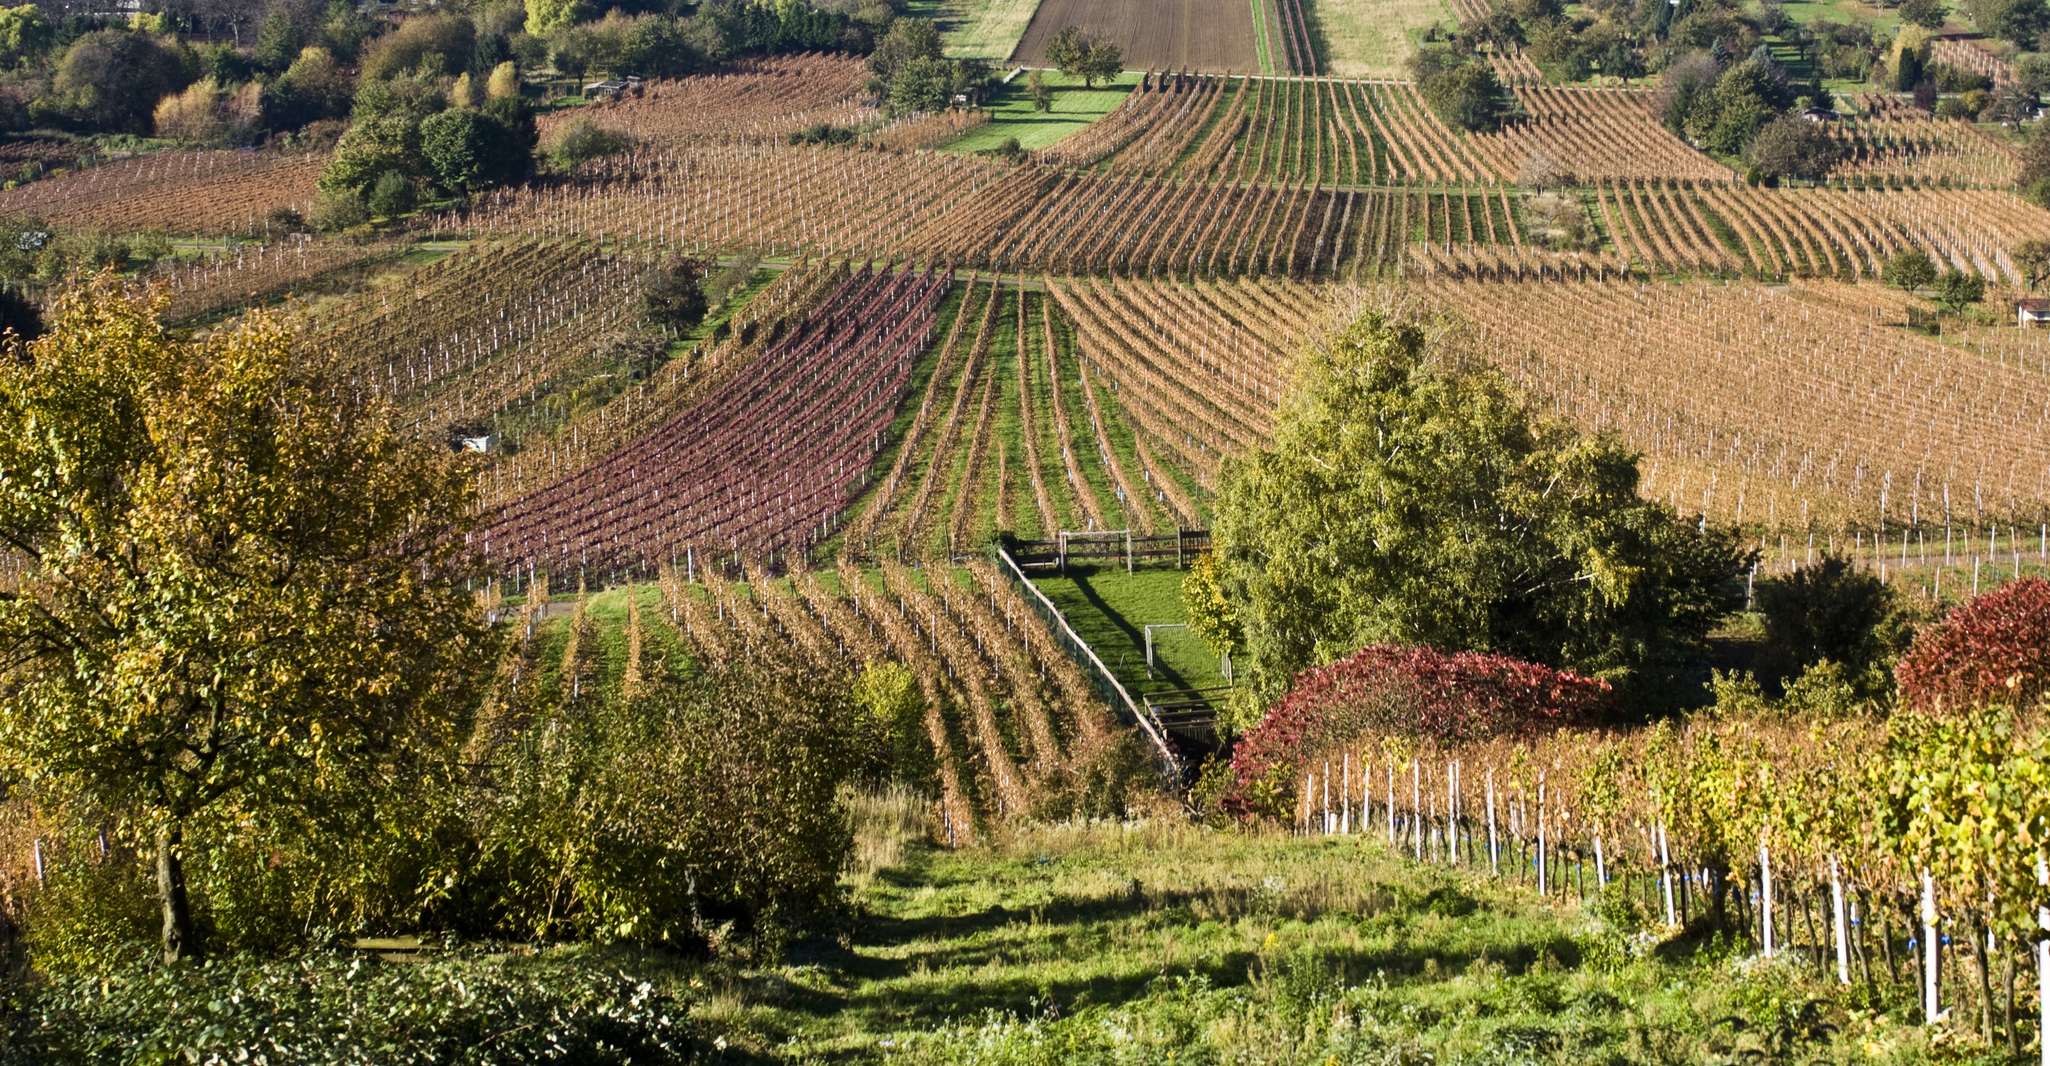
{"x":1198,"y":35}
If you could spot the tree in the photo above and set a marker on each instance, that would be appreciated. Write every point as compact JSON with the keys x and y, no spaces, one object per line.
{"x":465,"y":150}
{"x":673,"y":294}
{"x":1410,"y":497}
{"x":1791,"y":147}
{"x":24,"y":34}
{"x":2032,"y":258}
{"x":2032,"y":172}
{"x":1066,"y":48}
{"x":1746,"y":97}
{"x":1908,"y":270}
{"x":111,"y":80}
{"x":372,"y":146}
{"x":504,"y":83}
{"x":582,"y":140}
{"x":195,"y":116}
{"x":281,"y":35}
{"x":921,"y":85}
{"x":1103,"y":62}
{"x":2032,"y":73}
{"x":313,"y":87}
{"x":242,"y":579}
{"x":1928,"y":14}
{"x":1958,"y":289}
{"x":391,"y":195}
{"x":546,"y":16}
{"x":908,"y":39}
{"x":2013,"y":20}
{"x":442,"y":42}
{"x":1465,"y":94}
{"x":1829,"y":611}
{"x":1040,"y":91}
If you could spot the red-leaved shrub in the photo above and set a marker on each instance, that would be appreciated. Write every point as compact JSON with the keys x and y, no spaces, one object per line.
{"x":1995,"y":647}
{"x":1436,"y":697}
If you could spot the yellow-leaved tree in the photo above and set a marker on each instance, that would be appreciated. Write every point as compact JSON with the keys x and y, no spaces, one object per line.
{"x":239,"y":582}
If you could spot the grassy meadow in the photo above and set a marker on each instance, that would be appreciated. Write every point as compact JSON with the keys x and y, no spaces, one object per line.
{"x":1373,"y":38}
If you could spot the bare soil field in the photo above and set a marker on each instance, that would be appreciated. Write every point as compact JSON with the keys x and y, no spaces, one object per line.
{"x":1198,"y":35}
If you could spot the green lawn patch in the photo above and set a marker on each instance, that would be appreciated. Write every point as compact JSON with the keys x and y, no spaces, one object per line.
{"x":1109,"y":608}
{"x":977,"y":29}
{"x":1012,"y":115}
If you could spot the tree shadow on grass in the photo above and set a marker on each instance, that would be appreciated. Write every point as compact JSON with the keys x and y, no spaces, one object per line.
{"x":1133,"y":634}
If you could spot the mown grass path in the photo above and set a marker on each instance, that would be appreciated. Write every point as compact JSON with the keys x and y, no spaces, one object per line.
{"x":1172,"y":944}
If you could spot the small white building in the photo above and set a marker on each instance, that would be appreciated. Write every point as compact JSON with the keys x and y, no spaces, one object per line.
{"x":2032,"y":311}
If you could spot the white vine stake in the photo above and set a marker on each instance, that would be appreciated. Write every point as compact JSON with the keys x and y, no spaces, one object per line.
{"x":1391,"y":802}
{"x":1930,"y":950}
{"x":1327,"y":797}
{"x":1666,"y":877}
{"x":1494,"y":852}
{"x":2043,"y":964}
{"x":1452,"y":812}
{"x":1837,"y":923}
{"x":1601,"y":866}
{"x":1345,"y":795}
{"x":1541,"y":834}
{"x":1416,"y":804}
{"x":1366,"y":796}
{"x":1765,"y":897}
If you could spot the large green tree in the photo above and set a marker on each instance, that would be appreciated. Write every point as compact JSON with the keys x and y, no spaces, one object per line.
{"x":239,"y":583}
{"x":1410,"y":498}
{"x":111,"y":80}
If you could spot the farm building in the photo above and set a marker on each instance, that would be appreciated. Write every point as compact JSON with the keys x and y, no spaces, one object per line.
{"x":2032,"y":311}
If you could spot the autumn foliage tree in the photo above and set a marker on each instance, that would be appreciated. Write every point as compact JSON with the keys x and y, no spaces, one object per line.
{"x":240,"y":581}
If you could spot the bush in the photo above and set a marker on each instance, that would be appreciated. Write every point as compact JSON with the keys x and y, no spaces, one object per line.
{"x":582,"y":141}
{"x":391,"y":195}
{"x":1830,"y":611}
{"x":346,"y":1009}
{"x":708,"y":804}
{"x":1430,"y":695}
{"x":1995,"y":648}
{"x":339,"y":210}
{"x":1790,"y":147}
{"x":673,"y":294}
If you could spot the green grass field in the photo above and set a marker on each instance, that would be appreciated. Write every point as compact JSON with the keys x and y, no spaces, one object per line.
{"x":1374,"y":38}
{"x":977,"y":29}
{"x":1011,"y":113}
{"x":1109,"y":608}
{"x":1155,"y":943}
